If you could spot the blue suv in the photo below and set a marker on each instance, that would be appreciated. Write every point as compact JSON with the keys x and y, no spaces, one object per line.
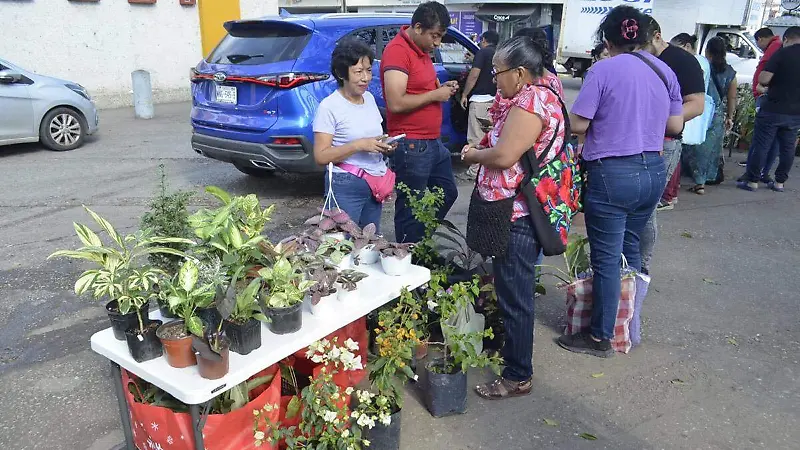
{"x":254,"y":98}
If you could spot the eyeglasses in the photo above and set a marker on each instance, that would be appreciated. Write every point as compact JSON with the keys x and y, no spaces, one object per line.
{"x":495,"y":73}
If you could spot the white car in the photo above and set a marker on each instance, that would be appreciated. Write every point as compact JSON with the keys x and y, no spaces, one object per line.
{"x":34,"y":108}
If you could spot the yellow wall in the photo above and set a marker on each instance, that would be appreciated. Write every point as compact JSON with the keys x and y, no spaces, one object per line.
{"x":214,"y":13}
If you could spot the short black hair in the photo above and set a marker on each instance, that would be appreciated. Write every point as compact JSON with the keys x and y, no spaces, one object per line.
{"x":684,"y":39}
{"x":626,"y":28}
{"x":347,"y":53}
{"x":598,"y":50}
{"x":430,"y":15}
{"x":792,"y":33}
{"x":491,"y":37}
{"x":763,"y":33}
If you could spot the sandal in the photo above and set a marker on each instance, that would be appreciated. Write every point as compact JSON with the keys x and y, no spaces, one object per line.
{"x":502,"y":388}
{"x":698,"y":189}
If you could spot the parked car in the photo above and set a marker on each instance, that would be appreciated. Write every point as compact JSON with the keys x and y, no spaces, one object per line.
{"x":255,"y":96}
{"x":33,"y":108}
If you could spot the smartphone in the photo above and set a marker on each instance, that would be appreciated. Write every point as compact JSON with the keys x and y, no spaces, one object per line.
{"x":394,"y":139}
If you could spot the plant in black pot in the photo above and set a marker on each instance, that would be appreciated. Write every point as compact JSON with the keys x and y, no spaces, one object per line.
{"x":446,"y":381}
{"x":284,"y":289}
{"x":347,"y":283}
{"x":168,"y":215}
{"x":397,"y":336}
{"x":184,"y":295}
{"x":243,"y":325}
{"x":119,"y":274}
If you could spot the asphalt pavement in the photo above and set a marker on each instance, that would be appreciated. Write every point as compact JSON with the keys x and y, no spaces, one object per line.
{"x":718,"y":368}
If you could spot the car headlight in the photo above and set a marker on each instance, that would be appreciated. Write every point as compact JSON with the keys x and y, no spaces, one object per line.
{"x":80,"y":90}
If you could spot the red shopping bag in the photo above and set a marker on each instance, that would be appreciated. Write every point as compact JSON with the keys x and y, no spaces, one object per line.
{"x":357,"y":331}
{"x":157,"y":428}
{"x":579,"y":310}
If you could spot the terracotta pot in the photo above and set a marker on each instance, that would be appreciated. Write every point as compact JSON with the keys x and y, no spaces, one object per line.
{"x":178,"y":351}
{"x":422,"y":350}
{"x":213,"y":369}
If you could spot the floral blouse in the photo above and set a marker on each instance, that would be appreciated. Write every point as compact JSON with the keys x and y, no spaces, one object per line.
{"x":496,"y":184}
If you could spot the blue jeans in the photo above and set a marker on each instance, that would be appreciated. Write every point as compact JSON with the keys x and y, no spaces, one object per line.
{"x":672,"y":156}
{"x":421,"y":164}
{"x":772,"y":153}
{"x":620,"y":197}
{"x":772,"y":127}
{"x":514,"y":278}
{"x":355,"y":198}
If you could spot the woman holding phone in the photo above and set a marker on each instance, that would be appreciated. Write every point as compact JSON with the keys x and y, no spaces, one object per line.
{"x":349,"y":134}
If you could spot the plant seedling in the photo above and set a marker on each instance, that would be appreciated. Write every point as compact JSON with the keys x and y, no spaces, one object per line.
{"x":349,"y":279}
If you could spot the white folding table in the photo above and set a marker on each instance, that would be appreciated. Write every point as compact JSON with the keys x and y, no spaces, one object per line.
{"x":186,"y":384}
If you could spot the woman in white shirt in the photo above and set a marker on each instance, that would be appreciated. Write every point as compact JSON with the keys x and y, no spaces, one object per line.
{"x":348,"y":133}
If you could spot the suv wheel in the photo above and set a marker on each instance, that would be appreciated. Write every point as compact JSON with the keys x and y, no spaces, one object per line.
{"x":254,"y":171}
{"x":62,"y":129}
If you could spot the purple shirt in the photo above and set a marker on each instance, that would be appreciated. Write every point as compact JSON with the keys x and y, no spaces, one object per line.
{"x":628,"y":105}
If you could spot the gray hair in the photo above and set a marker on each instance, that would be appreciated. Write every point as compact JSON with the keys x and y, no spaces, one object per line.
{"x":522,"y":51}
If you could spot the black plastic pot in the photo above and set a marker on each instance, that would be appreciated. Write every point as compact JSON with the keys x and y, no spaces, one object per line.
{"x":147,"y":346}
{"x":284,"y":320}
{"x":210,"y":316}
{"x":122,"y":322}
{"x":383,"y":437}
{"x":445,"y":393}
{"x":165,"y":311}
{"x":244,"y":337}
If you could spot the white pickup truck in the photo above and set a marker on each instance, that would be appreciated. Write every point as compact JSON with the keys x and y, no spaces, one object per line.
{"x":729,"y":19}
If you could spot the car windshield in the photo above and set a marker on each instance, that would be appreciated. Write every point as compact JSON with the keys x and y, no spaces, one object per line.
{"x":753,"y":41}
{"x":260,"y":43}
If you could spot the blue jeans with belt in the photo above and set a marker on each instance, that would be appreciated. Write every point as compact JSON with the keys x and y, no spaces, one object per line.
{"x":354,"y":197}
{"x":621,"y":194}
{"x":421,"y":164}
{"x":515,"y":283}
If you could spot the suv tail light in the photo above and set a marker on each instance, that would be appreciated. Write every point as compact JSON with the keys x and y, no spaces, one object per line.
{"x":286,"y":141}
{"x":282,"y":81}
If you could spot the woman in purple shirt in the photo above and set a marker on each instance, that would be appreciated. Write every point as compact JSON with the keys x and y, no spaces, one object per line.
{"x":624,"y":108}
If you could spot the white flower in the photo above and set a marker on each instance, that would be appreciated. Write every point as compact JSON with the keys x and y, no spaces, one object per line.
{"x":351,"y":345}
{"x":345,"y":433}
{"x":385,"y":419}
{"x":363,"y":396}
{"x":323,"y":343}
{"x":259,"y":435}
{"x":335,"y":353}
{"x":355,"y":414}
{"x":356,"y":365}
{"x":349,"y":390}
{"x":329,"y":416}
{"x":310,"y":352}
{"x":365,"y":442}
{"x":335,"y":396}
{"x":363,"y":420}
{"x":317,"y":358}
{"x":416,"y":377}
{"x":432,"y":305}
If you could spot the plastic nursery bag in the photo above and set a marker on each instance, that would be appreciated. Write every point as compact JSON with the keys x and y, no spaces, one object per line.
{"x":466,"y":321}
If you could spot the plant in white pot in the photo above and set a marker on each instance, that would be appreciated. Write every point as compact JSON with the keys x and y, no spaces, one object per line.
{"x":324,"y":288}
{"x":364,"y":246}
{"x":395,"y":257}
{"x":348,"y":284}
{"x":337,"y":252}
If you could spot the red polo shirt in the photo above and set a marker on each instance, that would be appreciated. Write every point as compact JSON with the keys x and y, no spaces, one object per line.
{"x":403,"y":55}
{"x":775,"y":44}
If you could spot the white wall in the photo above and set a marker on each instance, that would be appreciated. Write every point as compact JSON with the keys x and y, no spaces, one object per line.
{"x":251,"y":9}
{"x":99,"y":44}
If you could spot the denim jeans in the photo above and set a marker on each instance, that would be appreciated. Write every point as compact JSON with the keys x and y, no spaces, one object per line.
{"x":772,"y":127}
{"x":621,"y":195}
{"x":672,"y":156}
{"x":354,"y":197}
{"x":514,"y":278}
{"x":772,"y":153}
{"x":421,"y":164}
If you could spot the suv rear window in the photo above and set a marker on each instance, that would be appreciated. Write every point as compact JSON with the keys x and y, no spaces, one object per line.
{"x":263,"y":43}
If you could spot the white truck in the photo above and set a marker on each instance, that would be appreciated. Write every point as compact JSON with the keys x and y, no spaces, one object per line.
{"x":732,"y":20}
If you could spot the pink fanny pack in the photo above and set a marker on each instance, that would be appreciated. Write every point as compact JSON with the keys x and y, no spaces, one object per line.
{"x":382,"y":187}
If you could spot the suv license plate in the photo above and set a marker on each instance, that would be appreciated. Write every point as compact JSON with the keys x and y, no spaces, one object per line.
{"x":226,"y":94}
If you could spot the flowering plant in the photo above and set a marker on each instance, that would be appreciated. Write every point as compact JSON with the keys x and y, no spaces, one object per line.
{"x":335,"y":357}
{"x":398,"y":335}
{"x":372,"y":409}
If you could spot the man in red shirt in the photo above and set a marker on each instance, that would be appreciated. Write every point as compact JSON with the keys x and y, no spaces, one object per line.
{"x":769,"y":44}
{"x":414,"y":99}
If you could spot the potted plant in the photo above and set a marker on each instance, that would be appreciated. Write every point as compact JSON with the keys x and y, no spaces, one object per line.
{"x":336,"y":251}
{"x":168,"y":215}
{"x":212,"y":349}
{"x":348,"y":284}
{"x":324,"y":288}
{"x":282,"y":296}
{"x":333,"y":223}
{"x":325,"y":422}
{"x":243,"y":325}
{"x":446,"y":381}
{"x":184,"y":295}
{"x":395,"y":257}
{"x":364,"y":246}
{"x":397,"y":335}
{"x":119,"y":275}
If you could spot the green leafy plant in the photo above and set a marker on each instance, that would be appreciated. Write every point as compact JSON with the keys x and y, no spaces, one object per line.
{"x":119,"y":274}
{"x":284,"y":285}
{"x":184,"y":295}
{"x":425,"y":206}
{"x":168,"y":215}
{"x":246,"y":306}
{"x":334,"y":249}
{"x":576,"y":259}
{"x":397,"y":336}
{"x":745,"y":115}
{"x":349,"y":279}
{"x":451,"y":245}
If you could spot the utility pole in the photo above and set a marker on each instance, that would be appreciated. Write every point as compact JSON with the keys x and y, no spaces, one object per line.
{"x":344,"y":6}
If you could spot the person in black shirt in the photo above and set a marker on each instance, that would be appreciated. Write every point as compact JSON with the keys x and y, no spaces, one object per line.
{"x":779,"y":116}
{"x":480,"y":88}
{"x":693,"y":90}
